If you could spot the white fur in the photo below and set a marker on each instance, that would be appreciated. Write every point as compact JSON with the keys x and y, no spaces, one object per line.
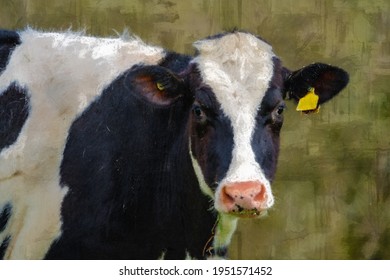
{"x":198,"y":172}
{"x":238,"y":67}
{"x":63,"y":73}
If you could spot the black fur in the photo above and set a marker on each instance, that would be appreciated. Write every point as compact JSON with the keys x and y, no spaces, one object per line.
{"x":266,"y":140}
{"x":327,"y":80}
{"x":14,"y":110}
{"x":4,"y":246}
{"x":269,"y":121}
{"x":211,"y":138}
{"x":8,"y":41}
{"x":4,"y":216}
{"x":132,"y":190}
{"x":175,"y":62}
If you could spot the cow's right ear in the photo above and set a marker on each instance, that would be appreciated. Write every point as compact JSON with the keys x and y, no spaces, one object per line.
{"x":158,"y":84}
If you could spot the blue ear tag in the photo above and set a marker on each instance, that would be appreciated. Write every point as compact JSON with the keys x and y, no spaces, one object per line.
{"x":309,"y":103}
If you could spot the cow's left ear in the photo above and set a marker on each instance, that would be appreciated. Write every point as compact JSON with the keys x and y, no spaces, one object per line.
{"x":158,"y":84}
{"x":324,"y":80}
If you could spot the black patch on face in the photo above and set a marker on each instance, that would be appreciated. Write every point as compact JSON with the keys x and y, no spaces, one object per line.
{"x":14,"y":110}
{"x":4,"y":246}
{"x":8,"y":41}
{"x":211,"y":136}
{"x":269,"y":121}
{"x":5,"y":214}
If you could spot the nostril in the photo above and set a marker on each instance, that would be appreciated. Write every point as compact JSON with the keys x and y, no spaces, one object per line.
{"x":261,"y":195}
{"x":227,"y":198}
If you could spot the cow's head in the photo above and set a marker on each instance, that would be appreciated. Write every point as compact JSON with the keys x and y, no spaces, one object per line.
{"x":237,"y":114}
{"x":235,"y":89}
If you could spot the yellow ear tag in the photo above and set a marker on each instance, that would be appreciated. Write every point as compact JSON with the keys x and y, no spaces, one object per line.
{"x":160,"y":86}
{"x":309,"y":102}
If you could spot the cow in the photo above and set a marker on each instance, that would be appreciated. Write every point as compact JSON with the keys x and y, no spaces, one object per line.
{"x":111,"y":148}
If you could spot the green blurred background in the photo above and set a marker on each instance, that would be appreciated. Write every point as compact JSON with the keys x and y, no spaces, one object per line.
{"x":332,"y":186}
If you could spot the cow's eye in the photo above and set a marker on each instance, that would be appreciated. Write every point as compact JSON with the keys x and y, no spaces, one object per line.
{"x":198,"y":111}
{"x":199,"y":114}
{"x":280,"y":109}
{"x":277,"y":116}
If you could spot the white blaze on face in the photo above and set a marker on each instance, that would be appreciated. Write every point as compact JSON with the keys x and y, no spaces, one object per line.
{"x":238,"y":67}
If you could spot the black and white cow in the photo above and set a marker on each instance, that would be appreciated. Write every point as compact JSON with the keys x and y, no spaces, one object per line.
{"x":114,"y":149}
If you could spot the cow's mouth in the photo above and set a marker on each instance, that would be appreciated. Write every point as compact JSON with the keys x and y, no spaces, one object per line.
{"x":240,"y":212}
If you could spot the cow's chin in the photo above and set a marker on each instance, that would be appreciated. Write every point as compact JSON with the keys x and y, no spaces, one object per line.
{"x":249,"y":214}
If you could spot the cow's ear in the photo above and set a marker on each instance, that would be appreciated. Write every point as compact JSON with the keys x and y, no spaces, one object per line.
{"x":325,"y":81}
{"x":158,"y":84}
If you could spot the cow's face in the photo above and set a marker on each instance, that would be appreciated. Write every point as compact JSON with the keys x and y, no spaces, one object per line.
{"x":237,"y":116}
{"x":235,"y":89}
